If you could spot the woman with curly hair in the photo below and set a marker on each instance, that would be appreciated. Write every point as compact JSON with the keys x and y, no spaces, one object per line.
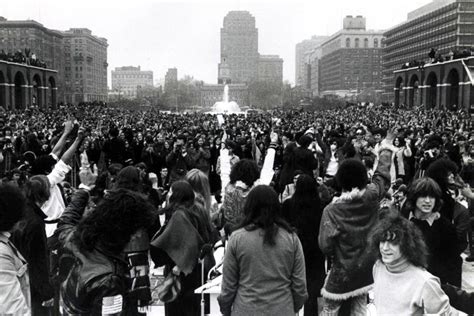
{"x":100,"y":240}
{"x":422,"y":208}
{"x":244,"y":175}
{"x":402,"y":285}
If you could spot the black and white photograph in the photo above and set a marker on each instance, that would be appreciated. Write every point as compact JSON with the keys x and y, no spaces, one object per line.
{"x":236,"y":158}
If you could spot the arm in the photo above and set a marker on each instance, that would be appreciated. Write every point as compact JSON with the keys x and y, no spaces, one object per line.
{"x":266,"y":174}
{"x":459,"y":299}
{"x":298,"y":278}
{"x":434,"y":301}
{"x":328,"y":231}
{"x":67,"y":156}
{"x":58,"y":148}
{"x":72,"y":215}
{"x":230,"y":279}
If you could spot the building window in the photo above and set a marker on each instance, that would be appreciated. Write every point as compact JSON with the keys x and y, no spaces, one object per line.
{"x":348,"y":42}
{"x":366,"y":43}
{"x":356,"y":44}
{"x":376,"y":42}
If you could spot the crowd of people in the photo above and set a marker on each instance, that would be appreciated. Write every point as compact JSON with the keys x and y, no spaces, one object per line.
{"x":315,"y":209}
{"x":22,"y":57}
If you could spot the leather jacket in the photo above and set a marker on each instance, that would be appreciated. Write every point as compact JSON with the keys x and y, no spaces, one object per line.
{"x":99,"y":278}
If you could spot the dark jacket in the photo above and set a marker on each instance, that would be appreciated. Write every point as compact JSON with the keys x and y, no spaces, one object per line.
{"x":178,"y":165}
{"x":29,"y":237}
{"x":95,"y":276}
{"x":459,"y":299}
{"x":343,"y":232}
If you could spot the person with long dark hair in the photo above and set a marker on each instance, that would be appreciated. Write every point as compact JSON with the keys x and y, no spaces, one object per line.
{"x":100,"y":238}
{"x":178,"y":244}
{"x":29,"y":236}
{"x":264,"y":271}
{"x":303,"y":211}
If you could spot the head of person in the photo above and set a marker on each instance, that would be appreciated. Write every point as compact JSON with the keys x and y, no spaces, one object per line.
{"x":351,"y":174}
{"x":181,"y":140}
{"x":181,"y":194}
{"x":395,"y":239}
{"x":305,"y":140}
{"x":200,"y":184}
{"x":244,"y":170}
{"x":398,"y":142}
{"x":262,"y":210}
{"x":129,"y":178}
{"x":424,"y":196}
{"x":37,"y":190}
{"x":379,"y":134}
{"x":119,"y":215}
{"x":359,"y":134}
{"x":443,"y":171}
{"x":164,"y":173}
{"x":12,"y":205}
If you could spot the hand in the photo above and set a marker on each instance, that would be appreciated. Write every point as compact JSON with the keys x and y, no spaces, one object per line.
{"x":88,"y":176}
{"x":153,"y":177}
{"x":68,"y":127}
{"x":48,"y":303}
{"x":273,"y":137}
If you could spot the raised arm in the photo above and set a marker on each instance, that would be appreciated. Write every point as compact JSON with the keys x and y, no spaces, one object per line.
{"x":58,"y":148}
{"x":67,"y":156}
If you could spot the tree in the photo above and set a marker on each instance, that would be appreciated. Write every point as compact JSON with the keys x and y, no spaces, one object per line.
{"x":265,"y":94}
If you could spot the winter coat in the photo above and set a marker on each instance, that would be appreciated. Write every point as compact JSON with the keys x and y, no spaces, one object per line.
{"x":343,"y":232}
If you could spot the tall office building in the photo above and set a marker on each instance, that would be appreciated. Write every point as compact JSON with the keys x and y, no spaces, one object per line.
{"x":351,"y":59}
{"x":85,"y":66}
{"x":129,"y":80}
{"x":171,"y":80}
{"x":303,"y":50}
{"x":239,"y":46}
{"x":445,"y":25}
{"x":44,"y":43}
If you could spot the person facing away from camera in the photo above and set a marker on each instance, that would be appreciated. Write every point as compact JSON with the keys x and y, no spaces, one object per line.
{"x":264,"y":269}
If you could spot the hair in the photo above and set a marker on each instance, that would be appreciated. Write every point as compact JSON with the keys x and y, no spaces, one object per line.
{"x":37,"y":189}
{"x":262,"y":210}
{"x":182,"y":194}
{"x":114,"y":220}
{"x":12,"y":205}
{"x":200,"y":184}
{"x":351,"y":174}
{"x":306,"y":202}
{"x":438,"y":170}
{"x":398,"y":230}
{"x":420,"y":188}
{"x":244,"y":170}
{"x":304,"y":141}
{"x":129,"y":178}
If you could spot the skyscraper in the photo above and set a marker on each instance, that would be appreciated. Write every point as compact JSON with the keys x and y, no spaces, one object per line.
{"x":239,"y":48}
{"x":302,"y":56}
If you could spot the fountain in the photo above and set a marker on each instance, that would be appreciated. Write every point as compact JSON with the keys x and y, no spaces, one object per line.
{"x":225,"y":106}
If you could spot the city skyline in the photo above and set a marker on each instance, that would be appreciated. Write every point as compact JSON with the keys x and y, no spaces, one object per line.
{"x":159,"y":35}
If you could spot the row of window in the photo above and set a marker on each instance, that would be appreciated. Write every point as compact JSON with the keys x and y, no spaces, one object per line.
{"x":366,"y":43}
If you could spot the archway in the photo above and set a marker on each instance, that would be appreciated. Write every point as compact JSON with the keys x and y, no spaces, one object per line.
{"x":52,"y":92}
{"x":452,"y":90}
{"x":37,"y":99}
{"x":20,"y":90}
{"x":398,"y":87}
{"x":431,"y":95}
{"x":414,"y":96}
{"x":3,"y":92}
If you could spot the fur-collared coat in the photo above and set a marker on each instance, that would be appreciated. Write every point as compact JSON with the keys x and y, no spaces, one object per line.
{"x":343,"y":232}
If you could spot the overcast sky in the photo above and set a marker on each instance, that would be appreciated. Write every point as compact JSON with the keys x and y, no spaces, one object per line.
{"x":158,"y":35}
